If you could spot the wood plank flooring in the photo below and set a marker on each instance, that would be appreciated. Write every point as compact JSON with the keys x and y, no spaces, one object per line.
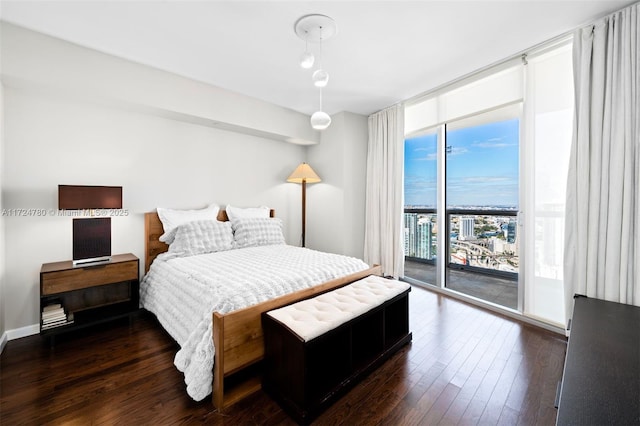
{"x":465,"y":366}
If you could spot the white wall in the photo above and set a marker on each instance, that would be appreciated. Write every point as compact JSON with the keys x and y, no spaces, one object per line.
{"x":335,"y":206}
{"x":158,"y":162}
{"x":3,"y":299}
{"x":77,"y":116}
{"x":55,"y":136}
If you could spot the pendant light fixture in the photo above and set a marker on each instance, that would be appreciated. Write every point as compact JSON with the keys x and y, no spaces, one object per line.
{"x":316,"y":28}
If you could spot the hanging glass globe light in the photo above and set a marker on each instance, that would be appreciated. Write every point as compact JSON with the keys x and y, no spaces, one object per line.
{"x":320,"y":120}
{"x":320,"y":78}
{"x":307,"y":59}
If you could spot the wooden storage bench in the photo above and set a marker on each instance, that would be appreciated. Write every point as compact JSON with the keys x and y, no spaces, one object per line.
{"x":316,"y":349}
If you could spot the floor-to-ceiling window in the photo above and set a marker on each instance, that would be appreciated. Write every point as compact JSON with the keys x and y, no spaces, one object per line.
{"x":482,"y":197}
{"x":485,"y":171}
{"x":481,"y":169}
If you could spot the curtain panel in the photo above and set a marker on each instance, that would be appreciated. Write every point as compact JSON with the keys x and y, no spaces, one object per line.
{"x":383,"y":240}
{"x":602,"y":253}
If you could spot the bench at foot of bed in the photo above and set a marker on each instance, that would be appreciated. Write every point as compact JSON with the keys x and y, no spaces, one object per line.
{"x":317,"y":349}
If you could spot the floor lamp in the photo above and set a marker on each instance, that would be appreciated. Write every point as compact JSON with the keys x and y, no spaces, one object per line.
{"x":304,"y":174}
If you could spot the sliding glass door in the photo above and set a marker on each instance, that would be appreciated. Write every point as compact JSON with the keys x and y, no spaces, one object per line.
{"x":482,"y":198}
{"x":461,"y":206}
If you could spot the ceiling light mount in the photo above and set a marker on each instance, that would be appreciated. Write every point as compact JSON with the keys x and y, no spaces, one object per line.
{"x":315,"y":28}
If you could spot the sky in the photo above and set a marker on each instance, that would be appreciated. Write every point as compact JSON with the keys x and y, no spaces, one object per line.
{"x":482,"y":166}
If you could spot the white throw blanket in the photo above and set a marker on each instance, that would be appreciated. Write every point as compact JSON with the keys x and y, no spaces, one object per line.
{"x":184,"y":292}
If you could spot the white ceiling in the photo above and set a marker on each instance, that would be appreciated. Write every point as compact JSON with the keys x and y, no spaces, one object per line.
{"x":383,"y":52}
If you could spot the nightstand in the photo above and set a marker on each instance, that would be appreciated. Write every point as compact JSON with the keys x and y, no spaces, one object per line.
{"x":76,"y":297}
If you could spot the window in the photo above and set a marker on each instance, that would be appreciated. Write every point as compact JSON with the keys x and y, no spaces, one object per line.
{"x":420,"y":194}
{"x":485,"y":173}
{"x":481,"y":193}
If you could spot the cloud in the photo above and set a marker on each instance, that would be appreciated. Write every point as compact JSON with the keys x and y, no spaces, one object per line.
{"x":457,"y":150}
{"x":486,"y":179}
{"x":493,"y":143}
{"x":430,"y":157}
{"x":420,"y":181}
{"x":433,"y":156}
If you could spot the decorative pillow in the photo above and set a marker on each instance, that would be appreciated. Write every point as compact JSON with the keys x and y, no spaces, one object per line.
{"x":257,"y":232}
{"x":172,"y":218}
{"x":200,"y":237}
{"x":249,"y":212}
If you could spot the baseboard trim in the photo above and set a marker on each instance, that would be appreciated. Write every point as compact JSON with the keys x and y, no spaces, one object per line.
{"x":3,"y":341}
{"x":17,"y":333}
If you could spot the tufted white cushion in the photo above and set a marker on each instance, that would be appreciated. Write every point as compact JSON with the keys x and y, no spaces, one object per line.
{"x":313,"y":317}
{"x":251,"y":232}
{"x":200,"y":237}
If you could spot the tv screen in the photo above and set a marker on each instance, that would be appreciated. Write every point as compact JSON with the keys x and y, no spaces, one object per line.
{"x":91,"y":239}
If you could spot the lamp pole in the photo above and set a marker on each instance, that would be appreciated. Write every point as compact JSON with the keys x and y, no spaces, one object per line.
{"x":304,"y":208}
{"x":304,"y":174}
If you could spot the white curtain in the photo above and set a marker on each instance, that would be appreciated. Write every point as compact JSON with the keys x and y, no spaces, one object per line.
{"x":383,"y":240}
{"x":602,"y":252}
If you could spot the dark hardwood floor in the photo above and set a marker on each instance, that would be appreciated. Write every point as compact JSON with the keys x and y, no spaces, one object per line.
{"x":465,"y":366}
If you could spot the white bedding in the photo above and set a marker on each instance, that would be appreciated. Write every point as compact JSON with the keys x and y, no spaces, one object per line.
{"x":184,"y":292}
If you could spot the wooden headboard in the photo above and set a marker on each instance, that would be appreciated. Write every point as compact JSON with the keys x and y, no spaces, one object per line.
{"x":153,"y":230}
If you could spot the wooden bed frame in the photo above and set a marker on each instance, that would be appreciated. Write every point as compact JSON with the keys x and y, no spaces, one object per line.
{"x":237,"y":335}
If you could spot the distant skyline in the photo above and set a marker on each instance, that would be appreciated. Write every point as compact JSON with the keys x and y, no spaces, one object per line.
{"x":482,"y":166}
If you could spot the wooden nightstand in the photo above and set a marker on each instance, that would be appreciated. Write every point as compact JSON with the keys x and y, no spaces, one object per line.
{"x":89,"y":294}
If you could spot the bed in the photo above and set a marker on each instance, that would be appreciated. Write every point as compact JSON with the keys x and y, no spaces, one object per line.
{"x":237,"y":336}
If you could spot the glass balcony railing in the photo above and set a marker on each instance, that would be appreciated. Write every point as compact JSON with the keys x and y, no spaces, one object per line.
{"x":420,"y":234}
{"x":478,"y":240}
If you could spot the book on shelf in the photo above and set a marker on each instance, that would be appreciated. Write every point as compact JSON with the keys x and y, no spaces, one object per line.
{"x":53,"y":315}
{"x":56,"y":324}
{"x":54,"y":320}
{"x":52,"y":307}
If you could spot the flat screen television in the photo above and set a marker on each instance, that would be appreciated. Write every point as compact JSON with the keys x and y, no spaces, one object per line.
{"x":91,"y":240}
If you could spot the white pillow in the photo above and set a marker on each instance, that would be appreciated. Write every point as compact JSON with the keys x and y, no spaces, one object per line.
{"x":257,"y":232}
{"x":172,"y":218}
{"x":246,"y":213}
{"x":200,"y":237}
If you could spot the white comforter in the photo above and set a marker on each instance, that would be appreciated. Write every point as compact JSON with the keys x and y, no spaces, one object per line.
{"x":184,"y":292}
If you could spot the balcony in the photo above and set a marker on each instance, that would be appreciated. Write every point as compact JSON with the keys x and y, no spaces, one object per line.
{"x":501,"y":291}
{"x":482,"y":252}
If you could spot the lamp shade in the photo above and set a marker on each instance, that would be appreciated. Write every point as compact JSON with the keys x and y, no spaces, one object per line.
{"x":78,"y":197}
{"x":303,"y":173}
